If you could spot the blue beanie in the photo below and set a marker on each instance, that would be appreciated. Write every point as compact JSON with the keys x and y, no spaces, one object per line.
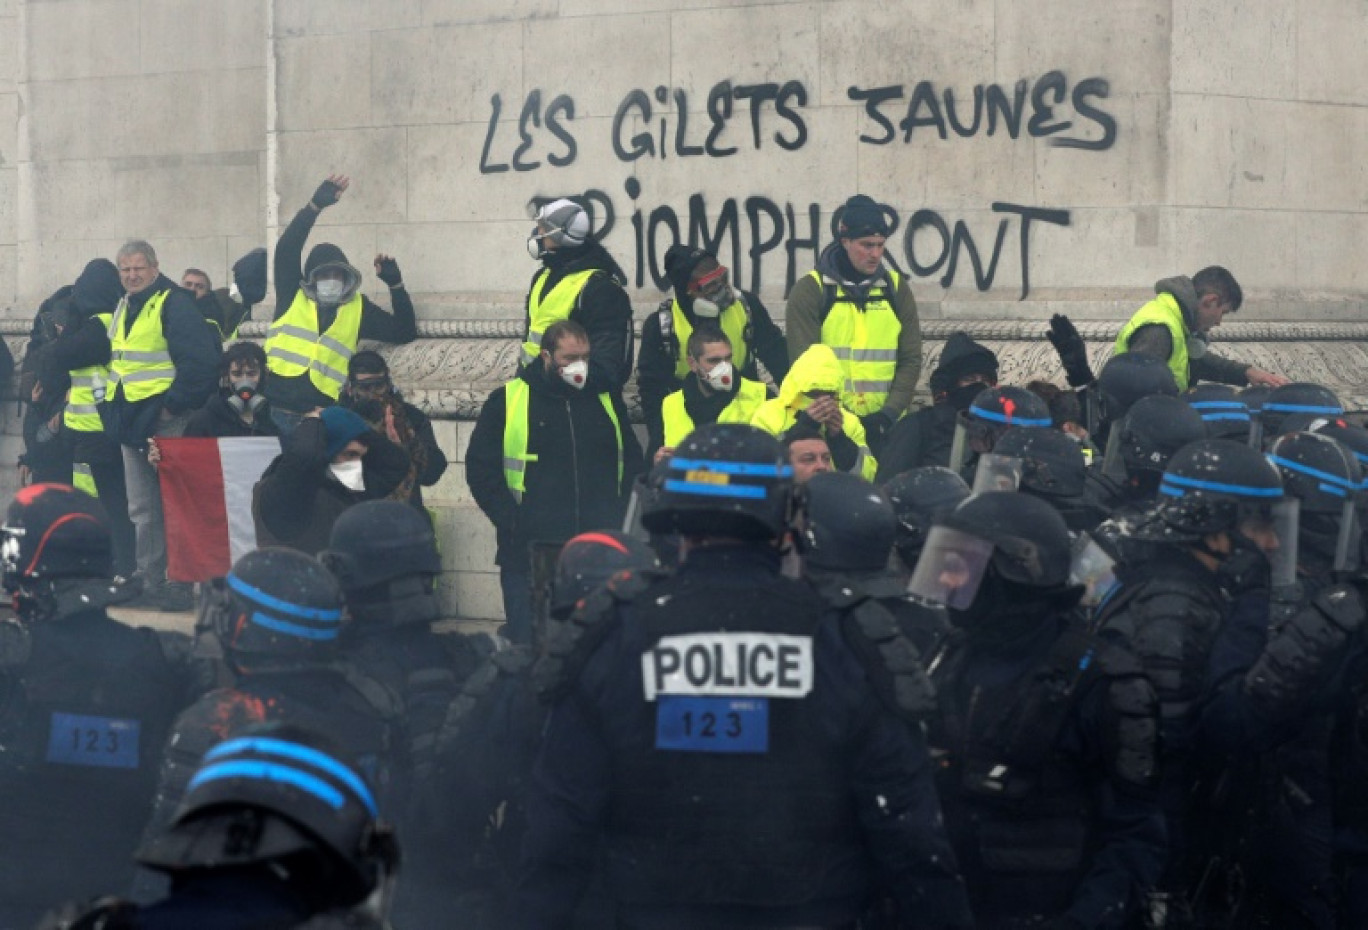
{"x":343,"y":426}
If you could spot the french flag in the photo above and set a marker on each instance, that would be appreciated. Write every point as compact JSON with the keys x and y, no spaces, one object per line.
{"x":206,"y":488}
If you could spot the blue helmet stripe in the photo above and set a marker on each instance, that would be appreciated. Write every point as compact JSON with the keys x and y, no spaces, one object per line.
{"x":747,"y":469}
{"x":1302,"y":408}
{"x":1011,"y":421}
{"x":291,"y":629}
{"x":1218,"y":405}
{"x":1234,"y":417}
{"x":271,"y":771}
{"x":288,"y":750}
{"x":1312,"y":472}
{"x":747,"y":491}
{"x":1198,"y":484}
{"x":327,"y":614}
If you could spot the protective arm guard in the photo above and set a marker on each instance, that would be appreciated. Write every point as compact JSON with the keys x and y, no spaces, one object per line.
{"x":1298,"y":657}
{"x":894,"y":665}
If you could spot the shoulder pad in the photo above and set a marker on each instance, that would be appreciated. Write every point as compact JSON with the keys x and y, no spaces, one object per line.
{"x":378,"y":694}
{"x":891,"y":660}
{"x":1343,"y":605}
{"x":15,"y":644}
{"x":1115,"y":661}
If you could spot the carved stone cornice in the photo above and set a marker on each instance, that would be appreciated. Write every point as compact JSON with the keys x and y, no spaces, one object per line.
{"x":454,"y":364}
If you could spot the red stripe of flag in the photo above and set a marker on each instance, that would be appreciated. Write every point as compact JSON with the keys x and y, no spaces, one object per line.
{"x":193,"y":507}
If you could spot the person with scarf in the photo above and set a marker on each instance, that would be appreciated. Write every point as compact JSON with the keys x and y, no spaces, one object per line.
{"x":371,"y":393}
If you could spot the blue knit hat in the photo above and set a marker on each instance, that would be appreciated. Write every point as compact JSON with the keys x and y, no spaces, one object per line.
{"x":343,"y":426}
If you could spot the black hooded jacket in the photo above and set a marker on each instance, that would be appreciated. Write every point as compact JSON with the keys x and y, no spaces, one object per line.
{"x":926,"y":437}
{"x":603,"y":309}
{"x":572,"y":486}
{"x":298,"y":393}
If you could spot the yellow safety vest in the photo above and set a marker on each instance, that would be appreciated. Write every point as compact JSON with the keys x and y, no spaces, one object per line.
{"x":678,"y":424}
{"x":139,"y":358}
{"x":866,"y":344}
{"x":735,"y":321}
{"x":517,"y":405}
{"x":82,"y":479}
{"x":82,"y":413}
{"x":294,"y":345}
{"x":546,"y":309}
{"x":1165,"y":310}
{"x":775,"y":417}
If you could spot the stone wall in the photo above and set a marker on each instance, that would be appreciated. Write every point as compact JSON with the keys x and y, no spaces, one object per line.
{"x":1139,"y":139}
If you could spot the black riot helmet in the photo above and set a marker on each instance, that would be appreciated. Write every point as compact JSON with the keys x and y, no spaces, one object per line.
{"x":1204,"y":488}
{"x":1155,"y":427}
{"x":1297,"y":398}
{"x":53,"y":531}
{"x":1327,"y":479}
{"x":384,"y":554}
{"x":588,"y":560}
{"x":280,"y":794}
{"x":1222,"y":409}
{"x":845,"y":524}
{"x":724,"y":479}
{"x":919,"y":497}
{"x":1130,"y":376}
{"x":277,"y":608}
{"x":995,"y":411}
{"x":1353,"y":438}
{"x":1052,"y":464}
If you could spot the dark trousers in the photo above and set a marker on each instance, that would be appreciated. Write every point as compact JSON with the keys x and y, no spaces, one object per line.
{"x":517,"y":600}
{"x":113,"y":493}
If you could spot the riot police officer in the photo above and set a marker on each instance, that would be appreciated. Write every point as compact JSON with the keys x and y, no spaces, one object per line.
{"x":277,"y":829}
{"x":1221,"y":408}
{"x":1054,"y":469}
{"x":1138,"y":449}
{"x":720,"y":735}
{"x":920,"y":496}
{"x":1272,"y":691}
{"x":1047,"y":737}
{"x":278,"y":618}
{"x":384,"y":556}
{"x":1204,"y":558}
{"x":85,"y":704}
{"x":845,"y":530}
{"x":1292,"y":406}
{"x":994,"y":411}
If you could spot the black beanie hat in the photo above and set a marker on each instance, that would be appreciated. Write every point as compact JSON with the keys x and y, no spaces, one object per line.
{"x":680,"y":262}
{"x":861,"y":216}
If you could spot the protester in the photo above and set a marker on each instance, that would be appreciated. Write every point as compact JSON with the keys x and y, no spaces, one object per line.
{"x":240,"y":407}
{"x":714,"y":392}
{"x":371,"y":393}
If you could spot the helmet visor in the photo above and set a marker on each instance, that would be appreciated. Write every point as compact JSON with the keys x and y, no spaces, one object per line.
{"x":997,"y":473}
{"x":1273,"y":528}
{"x":1349,"y":546}
{"x":636,"y":505}
{"x":1113,"y":462}
{"x":950,"y":569}
{"x":1093,"y":569}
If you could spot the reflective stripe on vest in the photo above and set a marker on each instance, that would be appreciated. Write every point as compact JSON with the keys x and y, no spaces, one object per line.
{"x":82,"y":412}
{"x":1166,"y":311}
{"x":734,"y":320}
{"x":865,"y":343}
{"x":678,"y":424}
{"x":546,"y":309}
{"x":82,"y":479}
{"x":139,"y":360}
{"x":295,"y":346}
{"x":517,"y":409}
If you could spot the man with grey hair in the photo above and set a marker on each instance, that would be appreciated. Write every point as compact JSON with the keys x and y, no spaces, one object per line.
{"x":163,"y":366}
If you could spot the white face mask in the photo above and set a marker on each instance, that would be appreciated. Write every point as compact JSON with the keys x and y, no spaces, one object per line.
{"x":330,"y":290}
{"x":720,"y":378}
{"x":706,"y":308}
{"x":575,"y":374}
{"x":350,"y":474}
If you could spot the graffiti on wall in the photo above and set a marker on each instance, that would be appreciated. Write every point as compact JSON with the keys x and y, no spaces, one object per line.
{"x":754,"y":230}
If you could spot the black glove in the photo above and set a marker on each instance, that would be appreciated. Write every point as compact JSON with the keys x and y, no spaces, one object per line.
{"x":389,"y":272}
{"x":249,"y":274}
{"x":326,"y":195}
{"x":876,"y":426}
{"x":1073,"y":352}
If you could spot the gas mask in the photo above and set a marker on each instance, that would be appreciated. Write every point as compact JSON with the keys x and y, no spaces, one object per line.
{"x":244,"y":397}
{"x":721,"y":378}
{"x":330,"y":290}
{"x":712,"y":293}
{"x":351,"y":474}
{"x":534,"y":245}
{"x":575,"y":374}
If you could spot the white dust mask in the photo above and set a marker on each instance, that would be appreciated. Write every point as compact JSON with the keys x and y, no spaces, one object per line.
{"x":575,"y":374}
{"x":721,"y":377}
{"x":350,"y":474}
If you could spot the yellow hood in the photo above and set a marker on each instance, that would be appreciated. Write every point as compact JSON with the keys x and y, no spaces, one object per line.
{"x":814,"y":370}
